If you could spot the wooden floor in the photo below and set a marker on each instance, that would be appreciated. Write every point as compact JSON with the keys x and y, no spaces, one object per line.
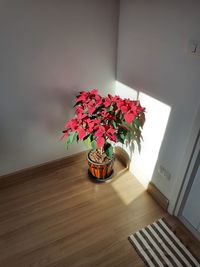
{"x":61,"y":218}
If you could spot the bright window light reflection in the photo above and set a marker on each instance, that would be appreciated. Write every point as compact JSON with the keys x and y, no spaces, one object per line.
{"x":157,"y":115}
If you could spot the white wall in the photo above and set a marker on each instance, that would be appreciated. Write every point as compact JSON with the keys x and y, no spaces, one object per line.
{"x":49,"y":51}
{"x":152,"y":59}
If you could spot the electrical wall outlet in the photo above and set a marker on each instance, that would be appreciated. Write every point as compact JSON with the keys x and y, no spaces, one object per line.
{"x":164,"y":172}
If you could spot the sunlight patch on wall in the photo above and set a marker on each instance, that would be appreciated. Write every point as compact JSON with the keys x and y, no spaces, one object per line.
{"x":125,"y":91}
{"x":157,"y":115}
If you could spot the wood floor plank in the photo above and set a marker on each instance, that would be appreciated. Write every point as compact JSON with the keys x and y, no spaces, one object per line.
{"x":62,"y":218}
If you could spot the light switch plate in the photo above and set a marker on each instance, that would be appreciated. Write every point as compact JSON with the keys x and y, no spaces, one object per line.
{"x":198,"y":50}
{"x":194,"y":47}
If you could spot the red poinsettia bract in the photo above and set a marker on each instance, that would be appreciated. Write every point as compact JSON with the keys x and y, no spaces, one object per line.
{"x":100,"y":119}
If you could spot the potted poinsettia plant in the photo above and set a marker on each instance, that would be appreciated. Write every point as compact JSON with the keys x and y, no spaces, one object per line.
{"x":101,"y":122}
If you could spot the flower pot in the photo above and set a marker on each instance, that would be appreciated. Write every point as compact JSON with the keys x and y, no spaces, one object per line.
{"x":100,"y":172}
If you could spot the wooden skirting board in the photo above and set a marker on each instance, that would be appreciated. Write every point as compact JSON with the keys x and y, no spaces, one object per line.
{"x":158,"y":196}
{"x":123,"y":156}
{"x":29,"y":173}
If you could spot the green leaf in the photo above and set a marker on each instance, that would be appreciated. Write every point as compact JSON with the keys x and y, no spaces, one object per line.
{"x":68,"y":142}
{"x":110,"y":108}
{"x":84,"y":138}
{"x":122,"y":131}
{"x":117,"y":112}
{"x":75,"y":135}
{"x":98,"y":109}
{"x":92,"y":137}
{"x":108,"y":150}
{"x":77,"y":139}
{"x":94,"y":144}
{"x":121,"y":135}
{"x":120,"y":138}
{"x":71,"y":137}
{"x":85,"y":111}
{"x":78,"y":103}
{"x":113,"y":123}
{"x":137,"y":122}
{"x":128,"y":126}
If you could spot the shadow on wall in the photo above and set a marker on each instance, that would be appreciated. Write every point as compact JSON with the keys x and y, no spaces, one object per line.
{"x":47,"y":110}
{"x":157,"y":115}
{"x":62,"y":101}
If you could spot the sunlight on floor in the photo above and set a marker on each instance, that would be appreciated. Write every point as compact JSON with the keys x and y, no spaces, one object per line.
{"x":122,"y":189}
{"x":157,"y":114}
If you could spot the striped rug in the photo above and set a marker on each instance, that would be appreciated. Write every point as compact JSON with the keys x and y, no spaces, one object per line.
{"x":158,"y":246}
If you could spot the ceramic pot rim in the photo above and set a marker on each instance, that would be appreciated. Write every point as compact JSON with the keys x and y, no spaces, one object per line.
{"x":100,"y":164}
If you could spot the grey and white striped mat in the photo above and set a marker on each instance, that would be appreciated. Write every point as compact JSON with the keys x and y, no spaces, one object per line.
{"x":158,"y":246}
